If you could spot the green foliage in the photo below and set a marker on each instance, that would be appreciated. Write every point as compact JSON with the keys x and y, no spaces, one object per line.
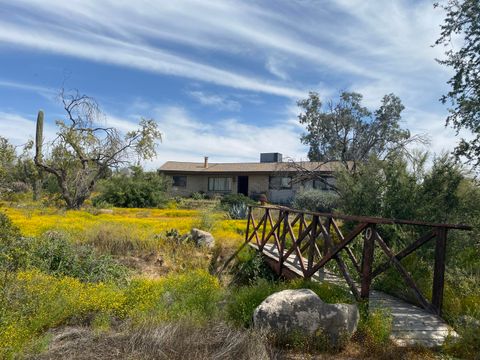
{"x":315,"y":200}
{"x":141,"y":190}
{"x":468,"y":345}
{"x":374,"y":329}
{"x":34,"y":301}
{"x":235,"y":199}
{"x":198,"y":196}
{"x":205,"y":221}
{"x":193,"y":295}
{"x":53,"y":253}
{"x":347,"y":131}
{"x":462,"y":21}
{"x":236,"y":205}
{"x":250,"y":268}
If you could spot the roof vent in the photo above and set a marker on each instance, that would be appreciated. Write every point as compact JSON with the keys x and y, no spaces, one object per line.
{"x":270,"y":157}
{"x":205,"y":162}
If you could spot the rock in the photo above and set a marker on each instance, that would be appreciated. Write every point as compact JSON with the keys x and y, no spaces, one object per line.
{"x":105,"y":211}
{"x":303,"y":312}
{"x":202,"y":238}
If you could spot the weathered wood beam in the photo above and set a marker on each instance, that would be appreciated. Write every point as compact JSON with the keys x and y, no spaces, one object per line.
{"x":405,"y":252}
{"x":439,"y":270}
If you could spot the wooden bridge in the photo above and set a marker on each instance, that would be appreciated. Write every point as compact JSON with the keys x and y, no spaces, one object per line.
{"x":302,"y":243}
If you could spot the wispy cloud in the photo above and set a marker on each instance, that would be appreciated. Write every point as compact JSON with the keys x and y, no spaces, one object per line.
{"x":218,"y":101}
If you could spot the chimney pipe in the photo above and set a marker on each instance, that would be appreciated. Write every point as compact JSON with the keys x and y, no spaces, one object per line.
{"x":205,"y":162}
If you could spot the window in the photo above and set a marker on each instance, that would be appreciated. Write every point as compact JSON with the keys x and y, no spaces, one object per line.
{"x":280,"y":182}
{"x":323,"y":185}
{"x":179,"y":180}
{"x":220,"y":184}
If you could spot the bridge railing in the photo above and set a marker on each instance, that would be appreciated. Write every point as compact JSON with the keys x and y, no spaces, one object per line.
{"x":313,"y":239}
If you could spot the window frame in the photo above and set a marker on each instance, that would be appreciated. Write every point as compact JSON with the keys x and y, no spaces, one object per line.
{"x":281,"y":186}
{"x":179,"y":176}
{"x":228,"y":182}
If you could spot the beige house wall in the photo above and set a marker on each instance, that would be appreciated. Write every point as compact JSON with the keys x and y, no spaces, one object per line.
{"x":257,"y":184}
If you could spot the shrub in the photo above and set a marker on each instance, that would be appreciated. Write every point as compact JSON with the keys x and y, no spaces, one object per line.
{"x":230,"y":200}
{"x":56,"y":255}
{"x":250,"y":268}
{"x":140,"y":190}
{"x":315,"y":200}
{"x":205,"y":221}
{"x":118,"y":239}
{"x":36,"y":301}
{"x":192,"y":295}
{"x":198,"y":196}
{"x":374,"y":329}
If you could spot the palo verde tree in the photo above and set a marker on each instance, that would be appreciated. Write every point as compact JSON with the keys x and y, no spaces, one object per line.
{"x":460,"y":35}
{"x":85,"y":150}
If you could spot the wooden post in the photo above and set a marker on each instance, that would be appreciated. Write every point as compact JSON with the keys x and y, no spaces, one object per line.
{"x":439,"y":270}
{"x":367,"y":262}
{"x":281,"y":251}
{"x":248,"y":223}
{"x":313,"y":238}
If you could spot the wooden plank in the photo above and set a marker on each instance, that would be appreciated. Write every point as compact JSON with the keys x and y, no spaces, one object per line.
{"x":369,"y":219}
{"x":357,"y":230}
{"x":404,"y":273}
{"x":367,"y":261}
{"x":439,"y":270}
{"x":407,"y":251}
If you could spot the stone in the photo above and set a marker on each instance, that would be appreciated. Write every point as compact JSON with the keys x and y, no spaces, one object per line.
{"x":105,"y":211}
{"x":303,"y":312}
{"x":202,"y":238}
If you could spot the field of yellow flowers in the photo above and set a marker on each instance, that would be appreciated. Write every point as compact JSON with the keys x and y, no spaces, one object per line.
{"x":33,"y":301}
{"x":144,"y":223}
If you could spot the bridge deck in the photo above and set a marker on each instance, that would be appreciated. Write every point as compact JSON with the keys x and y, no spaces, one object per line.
{"x":411,"y":324}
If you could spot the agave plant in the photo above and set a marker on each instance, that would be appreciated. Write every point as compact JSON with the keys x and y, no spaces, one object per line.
{"x":238,"y":211}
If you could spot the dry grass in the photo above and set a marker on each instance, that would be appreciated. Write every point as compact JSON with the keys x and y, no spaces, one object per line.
{"x":216,"y":341}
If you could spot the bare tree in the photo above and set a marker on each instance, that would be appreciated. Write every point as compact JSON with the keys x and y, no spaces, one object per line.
{"x":85,"y":150}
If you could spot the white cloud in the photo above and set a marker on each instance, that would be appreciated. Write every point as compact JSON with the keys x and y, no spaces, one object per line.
{"x":19,"y":129}
{"x":218,"y":101}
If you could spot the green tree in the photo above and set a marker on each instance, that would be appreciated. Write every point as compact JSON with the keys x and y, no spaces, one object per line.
{"x":139,"y":190}
{"x":7,"y":162}
{"x":460,"y":35}
{"x":85,"y":150}
{"x":347,"y":131}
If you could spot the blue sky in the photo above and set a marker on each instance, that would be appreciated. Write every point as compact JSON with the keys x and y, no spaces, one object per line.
{"x":221,"y":78}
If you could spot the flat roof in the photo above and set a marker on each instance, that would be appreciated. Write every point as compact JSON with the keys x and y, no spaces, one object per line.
{"x":198,"y":167}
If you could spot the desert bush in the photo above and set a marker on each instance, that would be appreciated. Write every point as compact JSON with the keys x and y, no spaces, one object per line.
{"x":205,"y":220}
{"x":315,"y":200}
{"x":467,"y":346}
{"x":250,"y":268}
{"x":193,"y":295}
{"x":235,"y":199}
{"x":36,"y":301}
{"x":198,"y":196}
{"x":374,"y":329}
{"x":119,"y":239}
{"x":55,"y":254}
{"x":140,"y":190}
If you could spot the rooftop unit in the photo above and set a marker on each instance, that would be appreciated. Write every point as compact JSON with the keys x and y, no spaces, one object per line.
{"x":270,"y":157}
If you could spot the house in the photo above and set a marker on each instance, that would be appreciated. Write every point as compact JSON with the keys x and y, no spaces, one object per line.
{"x":271,"y":176}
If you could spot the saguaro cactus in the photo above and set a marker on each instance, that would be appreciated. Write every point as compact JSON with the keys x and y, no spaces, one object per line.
{"x":39,"y":138}
{"x":37,"y":185}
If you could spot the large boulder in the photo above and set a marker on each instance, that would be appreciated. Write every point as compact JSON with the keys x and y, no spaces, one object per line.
{"x":302,"y":312}
{"x":202,"y":238}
